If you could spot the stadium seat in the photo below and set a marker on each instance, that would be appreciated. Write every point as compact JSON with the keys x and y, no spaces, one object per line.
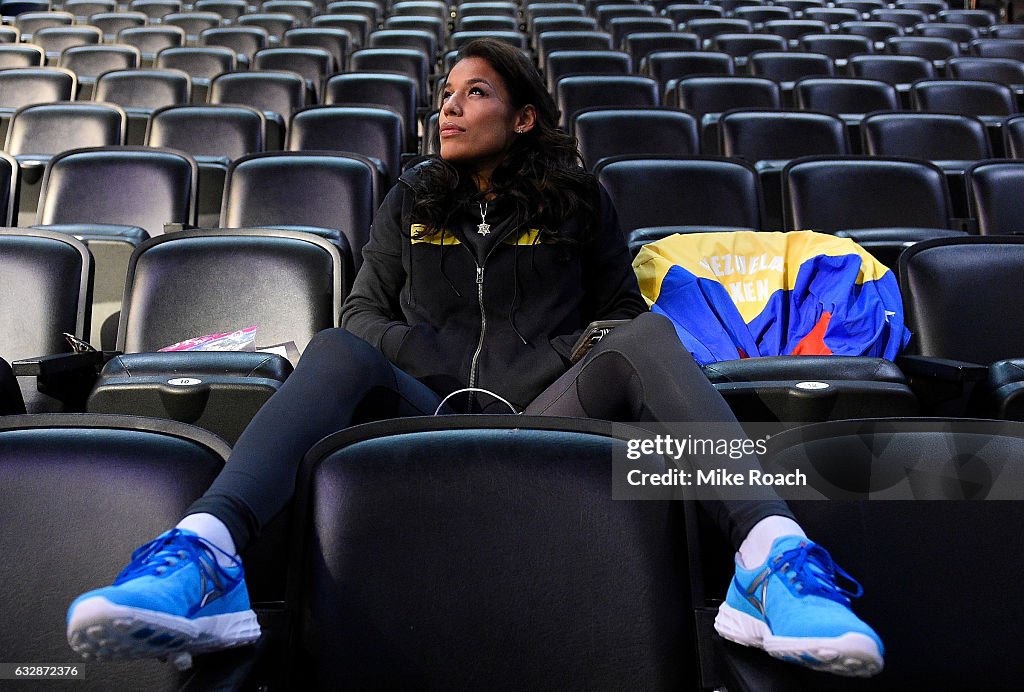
{"x":243,"y":40}
{"x":1000,"y":70}
{"x":229,"y":10}
{"x":23,"y":86}
{"x":989,"y":101}
{"x":904,"y":17}
{"x":313,"y":64}
{"x":201,"y":63}
{"x":866,"y":500}
{"x":998,"y":48}
{"x":274,"y":23}
{"x":605,"y":132}
{"x":301,"y":10}
{"x":975,"y":17}
{"x":742,"y":46}
{"x":89,"y":62}
{"x":570,"y":40}
{"x":128,"y":480}
{"x":293,"y":288}
{"x":564,"y":63}
{"x":192,"y":22}
{"x":934,"y":48}
{"x":39,"y":131}
{"x":140,"y":92}
{"x":324,"y":192}
{"x":1013,"y":131}
{"x":839,"y":47}
{"x":707,"y":29}
{"x":770,"y":139}
{"x":897,"y":70}
{"x":48,"y":289}
{"x":110,"y":23}
{"x":129,"y":186}
{"x":584,"y":91}
{"x":357,"y":25}
{"x":786,"y":67}
{"x":961,"y":34}
{"x":371,"y":10}
{"x":55,"y":39}
{"x":371,"y":131}
{"x":432,"y":25}
{"x":394,"y":91}
{"x":151,"y":39}
{"x":641,"y":44}
{"x":952,"y":142}
{"x":365,"y":620}
{"x":680,"y":13}
{"x":668,"y":67}
{"x":28,"y":23}
{"x":958,"y":348}
{"x":215,"y":135}
{"x":277,"y":94}
{"x":21,"y":55}
{"x":846,"y":97}
{"x":337,"y":42}
{"x":708,"y":97}
{"x":111,"y":246}
{"x":155,"y":9}
{"x":704,"y":193}
{"x":402,"y":60}
{"x":876,"y":31}
{"x":621,"y":28}
{"x":423,"y":41}
{"x":513,"y":38}
{"x":888,"y":202}
{"x":996,"y":202}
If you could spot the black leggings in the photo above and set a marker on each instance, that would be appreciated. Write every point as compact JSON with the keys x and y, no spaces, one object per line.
{"x":638,"y":373}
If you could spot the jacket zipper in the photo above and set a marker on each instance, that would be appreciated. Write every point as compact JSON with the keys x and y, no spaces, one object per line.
{"x":483,"y":314}
{"x":483,"y":325}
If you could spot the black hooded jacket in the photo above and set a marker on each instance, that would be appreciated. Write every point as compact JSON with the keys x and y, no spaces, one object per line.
{"x":505,"y":324}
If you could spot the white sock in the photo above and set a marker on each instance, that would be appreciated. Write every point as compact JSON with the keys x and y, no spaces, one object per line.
{"x":212,"y":529}
{"x":755,"y":547}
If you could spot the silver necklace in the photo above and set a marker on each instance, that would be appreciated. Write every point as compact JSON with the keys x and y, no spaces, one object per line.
{"x":483,"y":228}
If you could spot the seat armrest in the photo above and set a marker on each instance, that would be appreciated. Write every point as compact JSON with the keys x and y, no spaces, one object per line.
{"x":944,"y":369}
{"x":68,"y":377}
{"x":60,"y":364}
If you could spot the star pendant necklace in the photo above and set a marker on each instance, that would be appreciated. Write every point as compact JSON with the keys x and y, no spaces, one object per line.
{"x":483,"y":228}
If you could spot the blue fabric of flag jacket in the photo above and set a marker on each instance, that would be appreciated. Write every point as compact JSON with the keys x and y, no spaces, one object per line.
{"x":507,"y":323}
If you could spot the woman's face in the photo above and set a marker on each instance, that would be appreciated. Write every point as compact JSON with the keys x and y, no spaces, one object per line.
{"x":477,"y":121}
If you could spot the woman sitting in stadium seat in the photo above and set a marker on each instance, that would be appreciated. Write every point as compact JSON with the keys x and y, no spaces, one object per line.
{"x":484,"y":266}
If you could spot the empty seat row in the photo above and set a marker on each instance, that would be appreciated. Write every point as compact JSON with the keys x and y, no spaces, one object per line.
{"x":360,"y":534}
{"x":886,"y":205}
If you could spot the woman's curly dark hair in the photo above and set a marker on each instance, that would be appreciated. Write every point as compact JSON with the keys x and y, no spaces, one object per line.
{"x":542,"y":174}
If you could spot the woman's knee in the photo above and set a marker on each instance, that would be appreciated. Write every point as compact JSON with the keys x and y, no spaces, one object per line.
{"x":334,"y":343}
{"x":337,"y":353}
{"x":645,"y":331}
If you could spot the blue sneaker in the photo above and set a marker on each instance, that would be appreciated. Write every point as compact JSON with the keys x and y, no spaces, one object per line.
{"x":173,"y":597}
{"x":792,"y":608}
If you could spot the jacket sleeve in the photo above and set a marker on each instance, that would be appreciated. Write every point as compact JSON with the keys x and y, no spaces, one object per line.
{"x":611,"y":289}
{"x":609,"y":284}
{"x":373,"y":309}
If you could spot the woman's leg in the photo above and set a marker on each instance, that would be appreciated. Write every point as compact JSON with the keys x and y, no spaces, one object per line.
{"x":784,"y":597}
{"x":640,"y":372}
{"x":340,"y":380}
{"x":185,"y":591}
